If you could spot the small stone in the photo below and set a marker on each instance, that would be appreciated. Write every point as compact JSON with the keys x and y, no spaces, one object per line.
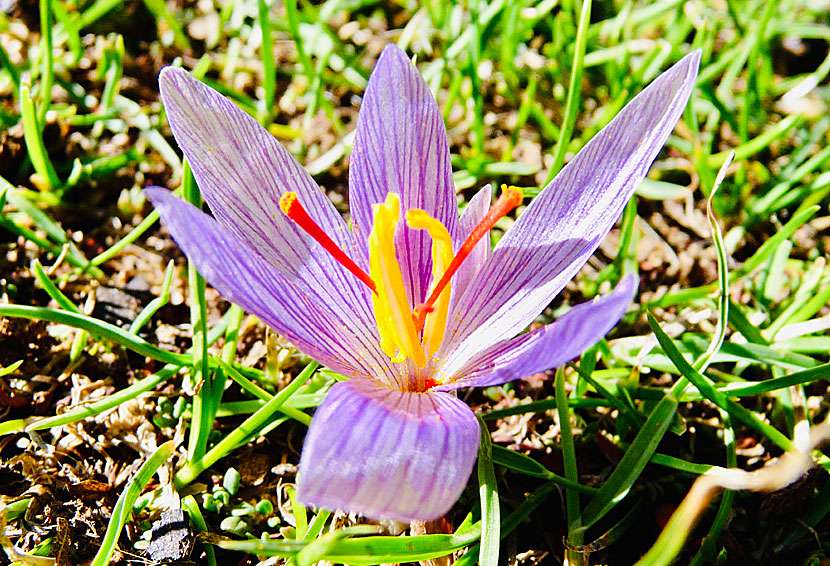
{"x":170,"y":538}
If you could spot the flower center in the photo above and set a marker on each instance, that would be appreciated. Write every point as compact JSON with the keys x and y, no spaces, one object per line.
{"x":406,"y":332}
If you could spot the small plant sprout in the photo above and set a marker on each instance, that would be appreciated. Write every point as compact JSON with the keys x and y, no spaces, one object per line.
{"x":409,"y":302}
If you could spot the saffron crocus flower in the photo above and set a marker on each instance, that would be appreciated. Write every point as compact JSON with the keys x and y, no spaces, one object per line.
{"x":409,"y":302}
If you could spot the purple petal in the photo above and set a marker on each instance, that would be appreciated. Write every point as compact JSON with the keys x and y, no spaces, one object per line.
{"x":563,"y":226}
{"x":401,"y":146}
{"x":470,"y":218}
{"x":545,"y":348}
{"x":242,"y":171}
{"x":386,"y":453}
{"x":242,"y":276}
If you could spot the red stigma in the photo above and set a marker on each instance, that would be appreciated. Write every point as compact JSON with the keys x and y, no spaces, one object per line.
{"x":510,"y":198}
{"x":291,"y":207}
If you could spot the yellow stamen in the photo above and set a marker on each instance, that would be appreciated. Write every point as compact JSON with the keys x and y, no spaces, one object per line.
{"x":398,"y":336}
{"x":435,"y":323}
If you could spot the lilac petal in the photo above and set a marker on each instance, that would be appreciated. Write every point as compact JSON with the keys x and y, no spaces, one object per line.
{"x":563,"y":226}
{"x":242,"y":171}
{"x":545,"y":348}
{"x":242,"y":276}
{"x":470,"y":218}
{"x":401,"y":147}
{"x":386,"y":453}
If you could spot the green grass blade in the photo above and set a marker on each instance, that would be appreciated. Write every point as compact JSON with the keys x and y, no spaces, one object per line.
{"x":708,"y":548}
{"x":710,"y":392}
{"x":206,"y":400}
{"x":7,"y":64}
{"x":574,"y":92}
{"x":769,"y":247}
{"x":723,"y":273}
{"x":199,"y":525}
{"x":85,"y":411}
{"x":134,"y":234}
{"x":51,"y":290}
{"x":636,"y":457}
{"x":572,"y":503}
{"x":47,"y":61}
{"x":123,"y":507}
{"x":34,"y":141}
{"x":153,"y":306}
{"x":366,"y":550}
{"x":488,"y":554}
{"x":315,"y":527}
{"x":269,"y":73}
{"x":526,"y":465}
{"x":99,"y":329}
{"x":528,"y":506}
{"x":758,"y":143}
{"x":162,"y":14}
{"x":255,"y":422}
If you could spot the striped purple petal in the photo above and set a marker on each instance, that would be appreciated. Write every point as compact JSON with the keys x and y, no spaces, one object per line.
{"x":242,"y":276}
{"x":470,"y":218}
{"x":563,"y":226}
{"x":400,"y":146}
{"x":386,"y":453}
{"x":545,"y":348}
{"x":242,"y":171}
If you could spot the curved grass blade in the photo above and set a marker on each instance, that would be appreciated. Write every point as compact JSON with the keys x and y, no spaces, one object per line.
{"x":544,"y":405}
{"x":317,"y":549}
{"x":50,"y":288}
{"x":34,"y":142}
{"x":85,"y":411}
{"x":153,"y":306}
{"x":261,"y":394}
{"x":757,"y":260}
{"x":123,"y":507}
{"x":199,"y":525}
{"x":708,"y":549}
{"x":12,"y":427}
{"x":759,"y":142}
{"x":103,"y":330}
{"x":134,"y":234}
{"x":723,"y":273}
{"x":680,"y":465}
{"x":98,"y":329}
{"x":80,"y":340}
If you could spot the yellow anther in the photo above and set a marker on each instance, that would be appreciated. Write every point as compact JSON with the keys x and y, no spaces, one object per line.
{"x":435,"y":324}
{"x":398,"y":335}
